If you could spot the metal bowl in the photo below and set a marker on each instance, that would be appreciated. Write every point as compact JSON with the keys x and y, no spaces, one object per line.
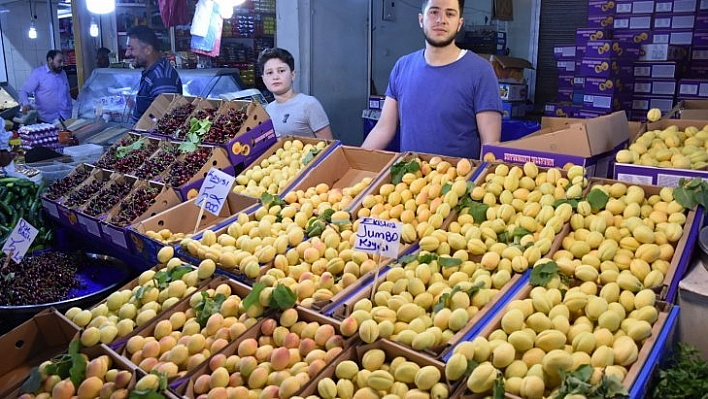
{"x":103,"y":275}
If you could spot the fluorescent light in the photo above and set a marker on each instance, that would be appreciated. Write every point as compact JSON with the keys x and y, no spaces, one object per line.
{"x":32,"y":31}
{"x":93,"y":29}
{"x":101,"y":6}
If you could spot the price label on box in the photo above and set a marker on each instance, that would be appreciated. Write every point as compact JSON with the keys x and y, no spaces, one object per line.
{"x":216,"y":187}
{"x":20,"y":240}
{"x":378,"y":236}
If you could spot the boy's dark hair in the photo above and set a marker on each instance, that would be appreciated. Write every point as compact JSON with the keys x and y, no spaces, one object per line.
{"x":460,"y":2}
{"x":276,"y":52}
{"x":53,"y":53}
{"x":103,"y":51}
{"x":145,"y":35}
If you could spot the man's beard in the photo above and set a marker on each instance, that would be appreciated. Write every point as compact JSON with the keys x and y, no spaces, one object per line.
{"x":439,"y":44}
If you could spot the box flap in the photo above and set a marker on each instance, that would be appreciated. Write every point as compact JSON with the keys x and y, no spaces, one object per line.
{"x":508,"y":62}
{"x":573,"y":140}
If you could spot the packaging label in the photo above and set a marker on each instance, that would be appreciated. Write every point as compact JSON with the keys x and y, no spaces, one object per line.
{"x":378,"y":236}
{"x":666,"y":6}
{"x":643,"y":88}
{"x":20,"y":240}
{"x":664,"y":71}
{"x":90,"y":225}
{"x":117,"y":236}
{"x":624,"y":8}
{"x":635,"y":179}
{"x":51,"y":208}
{"x":621,"y":23}
{"x":688,"y":89}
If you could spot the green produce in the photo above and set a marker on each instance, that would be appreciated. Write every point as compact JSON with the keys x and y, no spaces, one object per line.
{"x":21,"y":198}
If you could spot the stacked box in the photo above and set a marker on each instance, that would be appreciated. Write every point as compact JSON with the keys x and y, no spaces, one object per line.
{"x":513,"y":97}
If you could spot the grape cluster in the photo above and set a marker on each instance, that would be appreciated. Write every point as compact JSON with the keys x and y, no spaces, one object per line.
{"x":80,"y":196}
{"x":107,"y":198}
{"x":182,"y":171}
{"x":157,"y":164}
{"x":68,"y":183}
{"x":225,"y":126}
{"x":43,"y":278}
{"x":135,"y":205}
{"x":169,"y":123}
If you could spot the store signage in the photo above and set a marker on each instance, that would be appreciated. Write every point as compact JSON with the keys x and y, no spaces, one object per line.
{"x":20,"y":240}
{"x":378,"y":236}
{"x":216,"y":187}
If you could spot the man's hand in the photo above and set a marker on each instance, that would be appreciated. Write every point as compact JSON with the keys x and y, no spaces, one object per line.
{"x":26,"y":108}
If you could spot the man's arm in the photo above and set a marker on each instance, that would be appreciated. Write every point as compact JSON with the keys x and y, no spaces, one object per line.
{"x":385,"y":128}
{"x":489,"y":125}
{"x":29,"y":87}
{"x":325,"y":133}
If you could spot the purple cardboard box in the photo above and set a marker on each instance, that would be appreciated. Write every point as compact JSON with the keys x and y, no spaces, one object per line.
{"x":582,"y":35}
{"x":703,"y":5}
{"x":674,"y":21}
{"x":658,"y":69}
{"x":701,"y":21}
{"x":596,"y":102}
{"x":588,"y":114}
{"x":601,"y":8}
{"x":663,"y":52}
{"x":633,"y":21}
{"x":565,"y":81}
{"x":681,"y":37}
{"x":645,"y":103}
{"x":635,"y":6}
{"x":700,"y":38}
{"x":565,"y":66}
{"x":698,"y":70}
{"x":512,"y":110}
{"x":561,"y":52}
{"x":602,"y":68}
{"x":694,"y":88}
{"x":600,"y":21}
{"x":610,"y":49}
{"x":600,"y":86}
{"x":579,"y":81}
{"x":560,"y":110}
{"x":564,"y":95}
{"x":676,"y":6}
{"x":633,"y":35}
{"x":655,"y":87}
{"x":699,"y":53}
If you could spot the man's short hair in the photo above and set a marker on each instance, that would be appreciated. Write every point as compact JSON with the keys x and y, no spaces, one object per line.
{"x":276,"y":53}
{"x":145,"y":35}
{"x":103,"y":51}
{"x":53,"y":53}
{"x":460,"y":2}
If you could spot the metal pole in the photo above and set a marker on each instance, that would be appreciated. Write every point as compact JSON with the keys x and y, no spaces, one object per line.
{"x":52,"y":39}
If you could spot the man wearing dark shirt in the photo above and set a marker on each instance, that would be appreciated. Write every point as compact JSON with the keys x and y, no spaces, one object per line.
{"x":159,"y":76}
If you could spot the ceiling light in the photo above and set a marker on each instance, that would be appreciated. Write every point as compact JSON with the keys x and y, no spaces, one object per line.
{"x":32,"y":31}
{"x":101,"y":6}
{"x":93,"y":29}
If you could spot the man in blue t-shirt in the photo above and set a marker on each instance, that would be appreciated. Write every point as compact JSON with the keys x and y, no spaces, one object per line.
{"x":445,"y":98}
{"x":159,"y":76}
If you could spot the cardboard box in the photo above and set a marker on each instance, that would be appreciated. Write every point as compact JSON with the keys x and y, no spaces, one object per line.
{"x":700,"y":38}
{"x":635,"y":7}
{"x":699,"y":53}
{"x":679,"y":6}
{"x":376,"y":102}
{"x":628,"y":21}
{"x":589,"y":114}
{"x":658,"y":70}
{"x":69,"y":212}
{"x":216,"y":159}
{"x":636,"y":379}
{"x":561,"y":52}
{"x":674,"y":21}
{"x":579,"y":82}
{"x":598,"y":102}
{"x":566,"y":81}
{"x":703,"y":5}
{"x":600,"y":21}
{"x":676,"y":37}
{"x":664,"y":177}
{"x":591,"y":143}
{"x":508,"y":69}
{"x":601,"y":86}
{"x":611,"y":49}
{"x":511,"y":110}
{"x":690,"y":109}
{"x":45,"y":335}
{"x":662,"y":52}
{"x":638,"y":36}
{"x":701,"y":21}
{"x":513,"y":91}
{"x":601,"y":7}
{"x":578,"y":95}
{"x":566,"y":65}
{"x":604,"y":67}
{"x":693,"y":88}
{"x":182,"y":219}
{"x":559,"y":110}
{"x":655,"y":87}
{"x":645,"y":103}
{"x":582,"y":35}
{"x":698,"y":70}
{"x":564,"y":95}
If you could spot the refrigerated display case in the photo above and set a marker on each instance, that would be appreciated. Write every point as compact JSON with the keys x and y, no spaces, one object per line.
{"x":104,"y":101}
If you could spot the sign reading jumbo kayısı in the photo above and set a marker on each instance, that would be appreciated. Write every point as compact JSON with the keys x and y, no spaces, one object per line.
{"x":378,"y":236}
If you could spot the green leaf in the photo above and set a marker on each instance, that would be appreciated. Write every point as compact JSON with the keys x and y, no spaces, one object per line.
{"x":597,"y":199}
{"x":269,"y":200}
{"x":187,"y":147}
{"x":74,"y":347}
{"x":478,"y":211}
{"x":471,"y":365}
{"x":446,"y":188}
{"x":124,"y":150}
{"x":143,"y":290}
{"x":428,"y":258}
{"x":33,"y":382}
{"x":449,"y":261}
{"x":254,"y":297}
{"x":694,"y":183}
{"x":177,"y":272}
{"x":404,"y":260}
{"x":503,"y":237}
{"x":442,"y":302}
{"x":77,"y":372}
{"x":685,"y":198}
{"x":399,"y":169}
{"x":327,"y":215}
{"x":316,"y":227}
{"x":498,"y":390}
{"x":702,"y":198}
{"x":208,"y":306}
{"x":520,"y":232}
{"x":542,"y":274}
{"x":310,"y":156}
{"x":283,"y":297}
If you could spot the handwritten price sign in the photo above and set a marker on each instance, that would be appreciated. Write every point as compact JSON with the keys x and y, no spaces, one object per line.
{"x":216,"y":187}
{"x":20,"y":240}
{"x":374,"y":235}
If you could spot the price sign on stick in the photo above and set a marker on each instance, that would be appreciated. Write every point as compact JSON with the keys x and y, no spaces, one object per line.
{"x":20,"y":240}
{"x":378,"y":236}
{"x":212,"y":195}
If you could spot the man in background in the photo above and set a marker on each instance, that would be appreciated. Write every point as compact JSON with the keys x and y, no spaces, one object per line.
{"x":445,"y":98}
{"x":159,"y":76}
{"x":51,"y":90}
{"x":102,"y":60}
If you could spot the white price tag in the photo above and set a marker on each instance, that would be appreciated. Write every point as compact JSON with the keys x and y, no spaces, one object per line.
{"x":20,"y":240}
{"x":378,"y":236}
{"x":214,"y":190}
